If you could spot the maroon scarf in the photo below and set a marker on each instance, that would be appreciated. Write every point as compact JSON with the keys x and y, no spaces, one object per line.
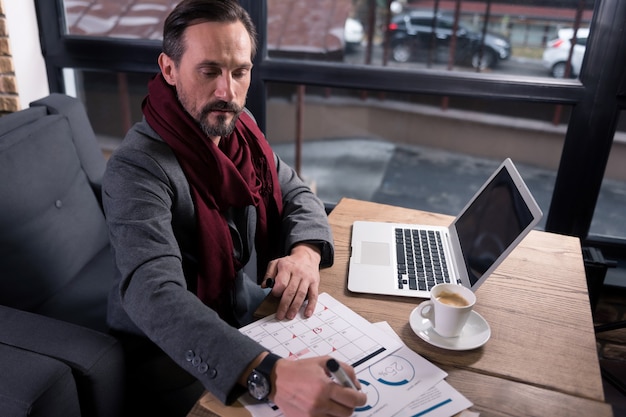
{"x":241,"y":172}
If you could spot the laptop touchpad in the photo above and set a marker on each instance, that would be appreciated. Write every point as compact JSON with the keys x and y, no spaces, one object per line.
{"x":375,"y":253}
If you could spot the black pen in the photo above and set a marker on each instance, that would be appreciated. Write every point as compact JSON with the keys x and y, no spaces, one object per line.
{"x":339,"y":374}
{"x":269,"y":283}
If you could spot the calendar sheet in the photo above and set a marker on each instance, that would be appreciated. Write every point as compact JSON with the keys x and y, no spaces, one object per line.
{"x":333,"y":330}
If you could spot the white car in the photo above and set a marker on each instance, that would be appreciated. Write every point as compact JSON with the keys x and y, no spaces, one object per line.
{"x":353,"y":34}
{"x":557,"y":52}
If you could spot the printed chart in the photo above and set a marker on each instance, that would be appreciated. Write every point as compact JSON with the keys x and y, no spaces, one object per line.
{"x":396,"y":381}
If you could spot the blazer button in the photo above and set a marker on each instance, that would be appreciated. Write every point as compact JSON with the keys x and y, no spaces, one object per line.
{"x":202,"y":368}
{"x":212,"y":373}
{"x":196,"y":361}
{"x":189,"y":355}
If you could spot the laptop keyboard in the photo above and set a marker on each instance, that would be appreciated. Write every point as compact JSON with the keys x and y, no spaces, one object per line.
{"x":421,"y":261}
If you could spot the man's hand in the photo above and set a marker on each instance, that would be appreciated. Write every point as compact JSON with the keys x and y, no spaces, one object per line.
{"x":296,"y":279}
{"x":304,"y":388}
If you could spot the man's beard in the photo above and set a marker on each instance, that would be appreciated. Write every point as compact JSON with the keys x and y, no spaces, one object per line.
{"x":220,"y":128}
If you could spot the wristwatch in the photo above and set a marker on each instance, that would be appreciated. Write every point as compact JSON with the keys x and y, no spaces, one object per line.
{"x":259,"y":382}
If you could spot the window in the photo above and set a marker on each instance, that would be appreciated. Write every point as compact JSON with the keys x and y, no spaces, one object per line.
{"x":456,"y":89}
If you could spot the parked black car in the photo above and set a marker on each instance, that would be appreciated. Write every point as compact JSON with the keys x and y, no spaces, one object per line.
{"x":412,"y":38}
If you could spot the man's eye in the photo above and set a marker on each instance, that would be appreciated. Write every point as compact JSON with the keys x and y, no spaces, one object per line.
{"x":240,"y":73}
{"x":210,"y":73}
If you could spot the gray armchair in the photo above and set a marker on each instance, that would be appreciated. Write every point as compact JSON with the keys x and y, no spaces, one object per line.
{"x":56,"y":268}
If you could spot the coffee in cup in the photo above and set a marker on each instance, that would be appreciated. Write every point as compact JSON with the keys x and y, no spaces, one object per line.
{"x":448,"y":309}
{"x":453,"y":299}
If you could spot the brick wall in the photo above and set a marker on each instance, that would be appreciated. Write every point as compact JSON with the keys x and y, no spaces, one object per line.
{"x":9,"y":99}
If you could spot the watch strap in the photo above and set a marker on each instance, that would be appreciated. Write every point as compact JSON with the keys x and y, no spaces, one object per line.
{"x":267,"y":364}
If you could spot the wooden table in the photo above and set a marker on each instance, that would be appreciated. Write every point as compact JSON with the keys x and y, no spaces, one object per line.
{"x":541,"y":359}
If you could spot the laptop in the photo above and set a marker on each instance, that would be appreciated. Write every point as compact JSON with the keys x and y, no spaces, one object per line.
{"x":408,"y":259}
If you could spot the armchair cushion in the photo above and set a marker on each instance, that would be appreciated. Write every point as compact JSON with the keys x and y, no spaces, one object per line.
{"x":83,"y":136}
{"x":53,"y":236}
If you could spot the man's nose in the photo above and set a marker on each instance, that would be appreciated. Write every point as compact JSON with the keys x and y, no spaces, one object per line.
{"x":224,"y":87}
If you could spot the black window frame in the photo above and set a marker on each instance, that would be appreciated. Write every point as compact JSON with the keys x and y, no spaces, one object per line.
{"x":596,"y":98}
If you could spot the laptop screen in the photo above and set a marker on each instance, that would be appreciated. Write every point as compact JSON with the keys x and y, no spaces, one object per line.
{"x":491,"y":223}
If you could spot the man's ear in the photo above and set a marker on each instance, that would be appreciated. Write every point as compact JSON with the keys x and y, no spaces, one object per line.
{"x":167,"y":66}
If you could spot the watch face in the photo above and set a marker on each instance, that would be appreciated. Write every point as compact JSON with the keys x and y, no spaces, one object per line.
{"x":258,"y":385}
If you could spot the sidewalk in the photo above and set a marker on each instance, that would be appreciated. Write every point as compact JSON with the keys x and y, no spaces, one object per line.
{"x":402,"y":175}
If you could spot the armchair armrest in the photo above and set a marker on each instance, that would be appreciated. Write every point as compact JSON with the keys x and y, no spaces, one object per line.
{"x":96,"y":359}
{"x":34,"y":385}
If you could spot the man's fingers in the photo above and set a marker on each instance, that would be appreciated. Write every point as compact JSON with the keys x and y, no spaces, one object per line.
{"x":294,"y":280}
{"x":293,"y":299}
{"x":270,"y":272}
{"x":312,"y":303}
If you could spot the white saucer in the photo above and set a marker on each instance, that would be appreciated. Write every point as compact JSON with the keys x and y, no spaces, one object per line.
{"x":475,"y":333}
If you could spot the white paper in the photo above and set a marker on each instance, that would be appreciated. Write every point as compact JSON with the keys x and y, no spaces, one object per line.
{"x":398,"y":381}
{"x":393,"y":382}
{"x":439,"y":401}
{"x":333,"y":330}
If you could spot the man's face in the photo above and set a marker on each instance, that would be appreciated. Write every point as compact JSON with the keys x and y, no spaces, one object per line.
{"x":213,"y":76}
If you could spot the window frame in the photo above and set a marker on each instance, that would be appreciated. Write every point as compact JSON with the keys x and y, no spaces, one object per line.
{"x":597,"y":97}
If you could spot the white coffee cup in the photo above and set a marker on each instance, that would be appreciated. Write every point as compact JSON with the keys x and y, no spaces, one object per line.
{"x":448,"y":309}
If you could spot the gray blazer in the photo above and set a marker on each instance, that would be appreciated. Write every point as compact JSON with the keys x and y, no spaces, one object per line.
{"x":151,"y":218}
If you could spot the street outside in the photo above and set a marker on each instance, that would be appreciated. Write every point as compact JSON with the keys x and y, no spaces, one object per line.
{"x":526,"y":63}
{"x":428,"y":179}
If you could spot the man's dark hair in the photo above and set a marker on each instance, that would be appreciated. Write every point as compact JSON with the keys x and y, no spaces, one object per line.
{"x":189,"y":12}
